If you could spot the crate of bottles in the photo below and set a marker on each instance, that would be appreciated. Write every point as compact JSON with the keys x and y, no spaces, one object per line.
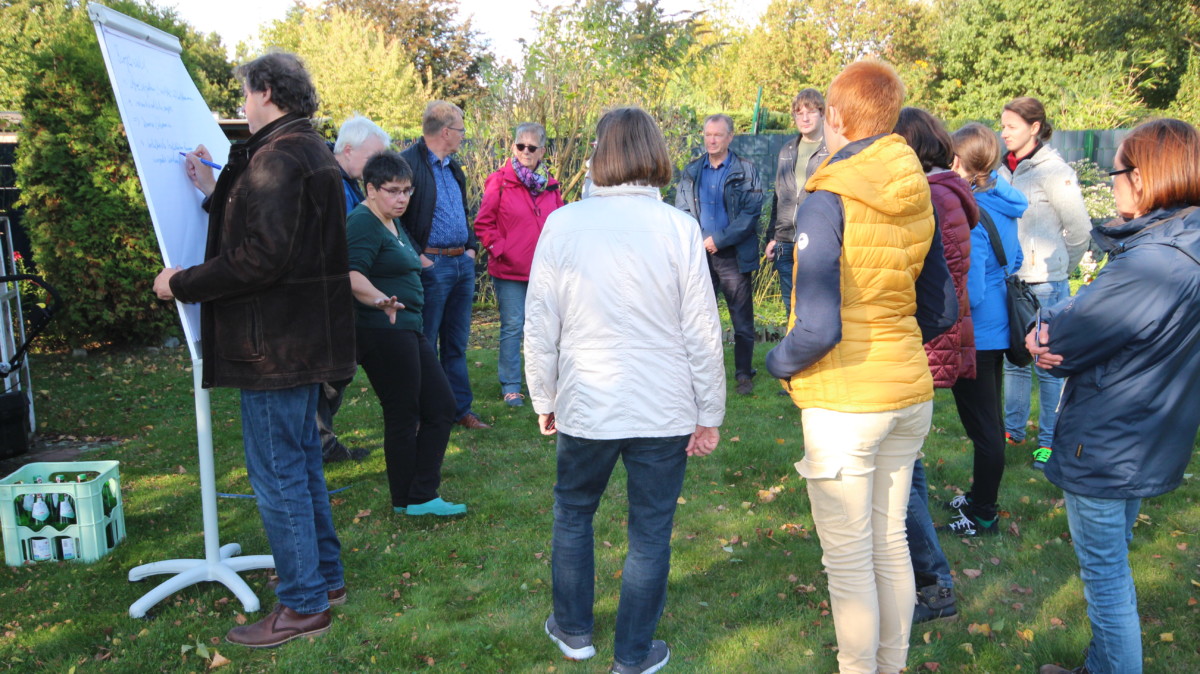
{"x":61,"y":511}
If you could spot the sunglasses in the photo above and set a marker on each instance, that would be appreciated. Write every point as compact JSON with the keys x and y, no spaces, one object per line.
{"x":522,"y":147}
{"x":1119,"y":172}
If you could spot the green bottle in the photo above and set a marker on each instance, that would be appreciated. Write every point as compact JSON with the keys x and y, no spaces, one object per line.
{"x":66,"y":512}
{"x":40,"y":513}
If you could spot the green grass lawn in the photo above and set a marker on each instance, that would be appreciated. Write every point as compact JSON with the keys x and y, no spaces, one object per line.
{"x":747,"y":592}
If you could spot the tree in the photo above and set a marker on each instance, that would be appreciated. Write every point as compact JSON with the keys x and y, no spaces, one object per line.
{"x":84,"y":210}
{"x":355,"y":67}
{"x":1096,"y":65}
{"x":798,"y":44}
{"x":448,"y":54}
{"x":25,"y":26}
{"x":638,"y":41}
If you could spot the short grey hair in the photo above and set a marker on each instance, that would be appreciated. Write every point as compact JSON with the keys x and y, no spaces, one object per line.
{"x":720,"y":118}
{"x":530,"y":127}
{"x":439,"y":115}
{"x":356,"y":130}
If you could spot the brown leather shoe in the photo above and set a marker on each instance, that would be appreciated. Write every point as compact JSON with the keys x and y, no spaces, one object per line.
{"x":279,"y":627}
{"x":336,"y":597}
{"x":469,"y":420}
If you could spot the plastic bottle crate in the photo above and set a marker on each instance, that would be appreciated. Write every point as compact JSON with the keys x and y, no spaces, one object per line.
{"x":94,"y":533}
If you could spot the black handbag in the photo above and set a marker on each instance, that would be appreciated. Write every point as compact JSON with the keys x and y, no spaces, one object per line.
{"x":1022,"y":304}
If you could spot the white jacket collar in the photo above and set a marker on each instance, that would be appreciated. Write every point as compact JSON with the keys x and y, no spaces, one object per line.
{"x":626,"y":190}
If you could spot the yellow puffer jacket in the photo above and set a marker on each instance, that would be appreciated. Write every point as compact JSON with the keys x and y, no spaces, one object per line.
{"x":879,"y":365}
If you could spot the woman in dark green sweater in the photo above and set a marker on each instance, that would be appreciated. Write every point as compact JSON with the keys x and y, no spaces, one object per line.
{"x":385,"y":275}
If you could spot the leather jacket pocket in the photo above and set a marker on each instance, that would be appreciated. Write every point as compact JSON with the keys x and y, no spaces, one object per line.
{"x":238,"y":331}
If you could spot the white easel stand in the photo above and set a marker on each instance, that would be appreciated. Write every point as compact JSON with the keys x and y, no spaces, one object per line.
{"x":220,"y":563}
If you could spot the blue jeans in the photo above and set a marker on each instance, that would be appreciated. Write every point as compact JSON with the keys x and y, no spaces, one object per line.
{"x":923,"y":545}
{"x":283,"y":460}
{"x":1101,"y":529}
{"x":449,"y":291}
{"x":655,"y":468}
{"x":1018,"y":382}
{"x":510,"y":295}
{"x":784,"y":251}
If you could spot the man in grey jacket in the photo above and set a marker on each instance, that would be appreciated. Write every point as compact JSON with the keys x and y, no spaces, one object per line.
{"x":724,"y":193}
{"x":798,"y":160}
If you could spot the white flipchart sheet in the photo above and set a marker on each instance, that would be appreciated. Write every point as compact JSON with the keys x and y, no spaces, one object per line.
{"x":164,"y":115}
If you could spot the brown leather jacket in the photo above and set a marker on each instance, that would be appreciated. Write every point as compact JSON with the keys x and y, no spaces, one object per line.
{"x":276,"y":306}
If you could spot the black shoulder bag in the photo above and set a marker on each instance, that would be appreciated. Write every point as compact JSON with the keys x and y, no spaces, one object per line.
{"x":1022,"y":304}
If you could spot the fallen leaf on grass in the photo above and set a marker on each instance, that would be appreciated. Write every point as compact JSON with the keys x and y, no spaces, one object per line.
{"x":180,"y":470}
{"x":240,"y":619}
{"x":1167,"y":636}
{"x":1057,"y":623}
{"x":218,"y":660}
{"x":1014,"y":529}
{"x":1025,"y":634}
{"x":972,"y":573}
{"x":363,"y":513}
{"x":930,"y":666}
{"x":927,"y":637}
{"x":1192,"y":601}
{"x":968,"y":647}
{"x":980,"y":628}
{"x":735,"y":439}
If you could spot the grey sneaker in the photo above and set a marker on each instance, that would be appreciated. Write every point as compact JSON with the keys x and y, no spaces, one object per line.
{"x":574,"y":647}
{"x":655,"y":660}
{"x":934,"y":602}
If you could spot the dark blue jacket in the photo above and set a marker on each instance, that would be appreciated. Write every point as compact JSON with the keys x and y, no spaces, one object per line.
{"x":1130,"y":343}
{"x":743,"y":205}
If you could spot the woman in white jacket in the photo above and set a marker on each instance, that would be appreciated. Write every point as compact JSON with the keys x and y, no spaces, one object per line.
{"x":1054,"y":233}
{"x":623,"y":359}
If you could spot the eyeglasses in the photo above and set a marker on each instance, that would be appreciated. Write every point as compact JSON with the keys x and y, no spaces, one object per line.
{"x":394,"y":192}
{"x":462,"y":130}
{"x":522,"y":147}
{"x":1120,"y":171}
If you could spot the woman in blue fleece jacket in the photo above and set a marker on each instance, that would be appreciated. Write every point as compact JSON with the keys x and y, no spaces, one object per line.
{"x":977,"y":153}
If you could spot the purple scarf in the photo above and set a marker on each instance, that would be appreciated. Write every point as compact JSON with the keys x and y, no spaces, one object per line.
{"x":533,"y":179}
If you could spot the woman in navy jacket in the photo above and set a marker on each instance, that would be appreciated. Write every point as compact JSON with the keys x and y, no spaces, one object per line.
{"x":1130,"y":345}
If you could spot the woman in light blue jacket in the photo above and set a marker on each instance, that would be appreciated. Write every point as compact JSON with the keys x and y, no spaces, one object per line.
{"x":976,"y":154}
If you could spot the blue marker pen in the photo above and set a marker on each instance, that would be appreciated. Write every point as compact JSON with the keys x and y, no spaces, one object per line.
{"x":204,"y":161}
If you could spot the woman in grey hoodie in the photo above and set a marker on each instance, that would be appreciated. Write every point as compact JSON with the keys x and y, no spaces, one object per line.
{"x":1053,"y":233}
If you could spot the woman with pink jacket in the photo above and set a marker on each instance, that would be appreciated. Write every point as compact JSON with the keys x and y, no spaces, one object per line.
{"x":516,"y":201}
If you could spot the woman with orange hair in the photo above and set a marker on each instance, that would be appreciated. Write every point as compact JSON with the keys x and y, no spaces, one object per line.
{"x":876,"y":287}
{"x":1129,"y":344}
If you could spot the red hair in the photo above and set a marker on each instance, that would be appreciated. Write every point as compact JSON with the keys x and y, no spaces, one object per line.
{"x":868,"y":96}
{"x":1166,"y":153}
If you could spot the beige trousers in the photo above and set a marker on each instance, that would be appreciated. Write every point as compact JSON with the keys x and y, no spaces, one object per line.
{"x":859,"y":471}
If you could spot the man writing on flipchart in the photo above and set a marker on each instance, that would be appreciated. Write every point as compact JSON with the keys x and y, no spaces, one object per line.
{"x":276,"y":321}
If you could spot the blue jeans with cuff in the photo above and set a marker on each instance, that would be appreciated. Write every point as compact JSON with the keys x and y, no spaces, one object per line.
{"x":923,"y":545}
{"x":510,"y":296}
{"x":1018,"y":381}
{"x":655,"y":468}
{"x":284,"y":464}
{"x":1101,"y":529}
